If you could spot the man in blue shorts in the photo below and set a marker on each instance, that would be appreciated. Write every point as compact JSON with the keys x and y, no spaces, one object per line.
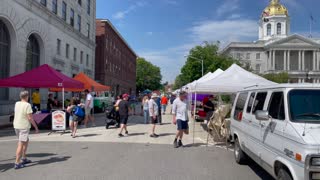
{"x":180,"y":118}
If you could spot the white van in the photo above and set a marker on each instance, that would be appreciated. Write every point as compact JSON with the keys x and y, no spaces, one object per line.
{"x":279,"y":128}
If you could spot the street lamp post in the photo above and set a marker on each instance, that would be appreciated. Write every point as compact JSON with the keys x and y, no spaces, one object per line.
{"x":198,"y":60}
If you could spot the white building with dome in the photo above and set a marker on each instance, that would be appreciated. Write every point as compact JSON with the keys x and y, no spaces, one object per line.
{"x":277,"y":50}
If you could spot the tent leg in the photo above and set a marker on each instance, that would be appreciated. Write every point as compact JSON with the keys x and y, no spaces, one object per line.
{"x":194,"y":115}
{"x":63,"y":98}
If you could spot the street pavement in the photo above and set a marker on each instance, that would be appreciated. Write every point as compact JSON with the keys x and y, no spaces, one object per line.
{"x":98,"y":154}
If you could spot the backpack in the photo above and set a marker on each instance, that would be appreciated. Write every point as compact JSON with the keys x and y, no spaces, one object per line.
{"x":79,"y":112}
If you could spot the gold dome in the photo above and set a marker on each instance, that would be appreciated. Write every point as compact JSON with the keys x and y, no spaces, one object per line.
{"x":275,"y":8}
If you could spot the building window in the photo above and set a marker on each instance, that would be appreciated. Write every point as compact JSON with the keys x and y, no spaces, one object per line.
{"x":79,"y":23}
{"x":238,"y":56}
{"x":33,"y":53}
{"x":269,"y":30}
{"x":67,"y":50}
{"x":4,"y":58}
{"x":248,"y":56}
{"x":72,"y":17}
{"x":81,"y":57}
{"x":87,"y":60}
{"x":43,"y":2}
{"x":258,"y":68}
{"x":54,"y":6}
{"x":258,"y":56}
{"x":75,"y":54}
{"x":80,"y":2}
{"x":58,"y":46}
{"x":279,"y":28}
{"x":64,"y":11}
{"x":88,"y":6}
{"x":88,"y":30}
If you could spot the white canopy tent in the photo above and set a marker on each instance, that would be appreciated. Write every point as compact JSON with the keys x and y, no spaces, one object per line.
{"x":193,"y":85}
{"x":205,"y":77}
{"x":232,"y":80}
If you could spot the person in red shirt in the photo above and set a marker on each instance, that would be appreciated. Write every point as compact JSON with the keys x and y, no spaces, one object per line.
{"x":164,"y":103}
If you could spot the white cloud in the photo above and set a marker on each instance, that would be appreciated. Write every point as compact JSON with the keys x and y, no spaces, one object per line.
{"x":225,"y":31}
{"x":150,"y":33}
{"x":227,"y":7}
{"x":122,"y":14}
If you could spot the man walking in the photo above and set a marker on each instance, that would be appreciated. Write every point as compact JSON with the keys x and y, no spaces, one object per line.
{"x":180,"y":118}
{"x":164,"y":103}
{"x":153,"y":112}
{"x":88,"y":109}
{"x":22,"y":124}
{"x":124,"y":114}
{"x":159,"y":116}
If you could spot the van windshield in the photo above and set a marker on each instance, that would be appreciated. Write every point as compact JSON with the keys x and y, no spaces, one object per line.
{"x":304,"y":105}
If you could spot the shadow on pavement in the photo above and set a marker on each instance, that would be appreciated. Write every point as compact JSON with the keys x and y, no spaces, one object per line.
{"x":194,"y":145}
{"x":39,"y":155}
{"x":50,"y":161}
{"x":89,"y":135}
{"x":166,"y":134}
{"x":136,"y":134}
{"x":6,"y":167}
{"x":264,"y":175}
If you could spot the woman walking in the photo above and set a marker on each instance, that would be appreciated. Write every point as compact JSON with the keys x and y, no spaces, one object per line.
{"x":145,"y":104}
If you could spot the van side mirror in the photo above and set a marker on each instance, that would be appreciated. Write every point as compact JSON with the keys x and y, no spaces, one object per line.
{"x":262,"y":115}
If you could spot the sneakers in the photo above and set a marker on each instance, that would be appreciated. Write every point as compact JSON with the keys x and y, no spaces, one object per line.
{"x":180,"y":143}
{"x":127,"y":133}
{"x":177,"y":144}
{"x":120,"y":135}
{"x":19,"y":166}
{"x":93,"y":125}
{"x":154,"y":135}
{"x":26,"y":161}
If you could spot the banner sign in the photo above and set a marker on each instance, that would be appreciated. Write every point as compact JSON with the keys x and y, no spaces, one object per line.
{"x":58,"y":121}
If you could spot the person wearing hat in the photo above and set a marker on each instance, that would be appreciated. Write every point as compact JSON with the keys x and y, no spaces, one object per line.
{"x":180,"y":118}
{"x":153,"y":112}
{"x":124,"y":114}
{"x":88,"y":109}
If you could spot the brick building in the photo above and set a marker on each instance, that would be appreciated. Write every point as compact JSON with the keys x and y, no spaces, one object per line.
{"x":115,"y":60}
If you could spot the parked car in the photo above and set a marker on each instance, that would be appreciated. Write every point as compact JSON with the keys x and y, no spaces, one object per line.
{"x":279,"y":128}
{"x":102,"y":101}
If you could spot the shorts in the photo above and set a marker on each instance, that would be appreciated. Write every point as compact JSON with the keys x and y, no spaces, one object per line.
{"x":88,"y":111}
{"x":22,"y":134}
{"x":154,"y":120}
{"x":75,"y":118}
{"x":123,"y":120}
{"x":133,"y":106}
{"x":182,"y":125}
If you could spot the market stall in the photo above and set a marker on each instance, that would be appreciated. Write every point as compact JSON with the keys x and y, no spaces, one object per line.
{"x":43,"y":76}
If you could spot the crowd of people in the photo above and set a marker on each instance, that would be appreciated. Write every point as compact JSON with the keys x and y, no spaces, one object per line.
{"x":153,"y":107}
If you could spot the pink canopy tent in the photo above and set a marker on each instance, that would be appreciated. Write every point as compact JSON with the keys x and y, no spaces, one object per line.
{"x":41,"y":77}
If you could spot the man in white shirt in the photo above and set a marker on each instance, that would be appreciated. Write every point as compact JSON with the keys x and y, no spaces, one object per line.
{"x":180,"y":118}
{"x":88,"y":109}
{"x":154,"y":113}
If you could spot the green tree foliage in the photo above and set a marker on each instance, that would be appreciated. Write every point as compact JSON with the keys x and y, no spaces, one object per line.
{"x":278,"y":78}
{"x":192,"y":70}
{"x":148,"y":75}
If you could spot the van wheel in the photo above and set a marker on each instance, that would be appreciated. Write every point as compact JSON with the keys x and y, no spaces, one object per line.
{"x":239,"y":155}
{"x":283,"y":175}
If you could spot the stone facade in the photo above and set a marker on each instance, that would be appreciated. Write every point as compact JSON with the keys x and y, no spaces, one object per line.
{"x":277,"y":51}
{"x":116,"y":61}
{"x":38,"y":18}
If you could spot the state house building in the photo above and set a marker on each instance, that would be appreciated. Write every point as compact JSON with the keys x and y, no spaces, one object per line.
{"x":60,"y":33}
{"x":115,"y":59}
{"x":277,"y":50}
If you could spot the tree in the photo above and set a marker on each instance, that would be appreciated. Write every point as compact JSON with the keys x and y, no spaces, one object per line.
{"x":212,"y":60}
{"x":278,"y":78}
{"x":148,"y":75}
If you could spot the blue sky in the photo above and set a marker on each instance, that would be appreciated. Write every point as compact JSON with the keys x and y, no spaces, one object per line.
{"x":163,"y":31}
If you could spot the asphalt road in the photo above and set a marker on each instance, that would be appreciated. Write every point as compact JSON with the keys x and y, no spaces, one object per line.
{"x":124,"y":161}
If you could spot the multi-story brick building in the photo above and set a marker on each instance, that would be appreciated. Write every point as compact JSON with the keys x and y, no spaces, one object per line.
{"x":60,"y":33}
{"x":115,"y":59}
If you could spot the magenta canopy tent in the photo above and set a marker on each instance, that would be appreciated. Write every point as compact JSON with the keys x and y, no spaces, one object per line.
{"x":41,"y":77}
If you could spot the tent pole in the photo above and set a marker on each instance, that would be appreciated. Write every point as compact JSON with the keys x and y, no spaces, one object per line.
{"x":194,"y":116}
{"x":63,"y":98}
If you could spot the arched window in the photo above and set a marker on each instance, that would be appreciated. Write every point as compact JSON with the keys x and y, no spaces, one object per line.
{"x":269,"y":30}
{"x":279,"y":28}
{"x":33,"y":53}
{"x":4,"y":57}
